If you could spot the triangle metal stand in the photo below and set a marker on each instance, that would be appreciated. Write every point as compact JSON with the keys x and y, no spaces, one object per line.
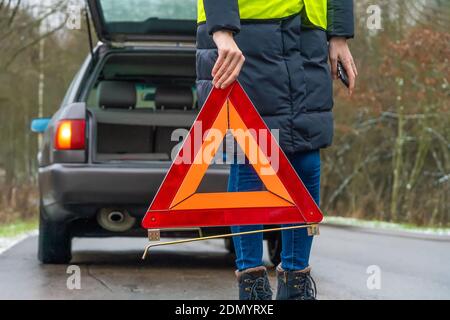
{"x":153,"y":235}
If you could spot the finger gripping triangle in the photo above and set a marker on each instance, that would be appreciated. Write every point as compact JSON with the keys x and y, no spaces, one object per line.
{"x":177,"y":203}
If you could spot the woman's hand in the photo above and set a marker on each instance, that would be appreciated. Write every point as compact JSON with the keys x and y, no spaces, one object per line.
{"x":339,"y":51}
{"x":230,"y":60}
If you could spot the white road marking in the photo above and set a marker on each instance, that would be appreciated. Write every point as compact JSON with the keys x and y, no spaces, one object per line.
{"x":7,"y":243}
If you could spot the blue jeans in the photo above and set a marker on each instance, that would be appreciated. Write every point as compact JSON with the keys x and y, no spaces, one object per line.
{"x":296,"y":243}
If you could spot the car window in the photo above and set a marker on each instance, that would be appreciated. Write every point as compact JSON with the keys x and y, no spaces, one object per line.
{"x":131,"y":20}
{"x":145,"y":94}
{"x":144,"y":10}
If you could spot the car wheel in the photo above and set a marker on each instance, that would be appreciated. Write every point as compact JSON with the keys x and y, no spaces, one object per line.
{"x":274,"y":248}
{"x":54,"y":241}
{"x":229,"y":245}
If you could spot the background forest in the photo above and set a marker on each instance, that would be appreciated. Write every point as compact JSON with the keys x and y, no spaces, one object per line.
{"x":391,"y":156}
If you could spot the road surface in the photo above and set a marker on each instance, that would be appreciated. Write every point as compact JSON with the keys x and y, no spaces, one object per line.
{"x":409,"y":268}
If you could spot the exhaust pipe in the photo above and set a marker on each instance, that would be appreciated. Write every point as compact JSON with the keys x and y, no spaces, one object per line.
{"x":115,"y":220}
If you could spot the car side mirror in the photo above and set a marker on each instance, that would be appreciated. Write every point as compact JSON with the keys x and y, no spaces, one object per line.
{"x":39,"y":125}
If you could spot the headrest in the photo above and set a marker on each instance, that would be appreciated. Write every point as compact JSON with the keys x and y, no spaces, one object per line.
{"x":174,"y":97}
{"x":117,"y":94}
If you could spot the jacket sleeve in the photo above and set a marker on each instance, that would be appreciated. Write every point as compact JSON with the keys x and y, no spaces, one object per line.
{"x":222,"y":14}
{"x":340,"y":19}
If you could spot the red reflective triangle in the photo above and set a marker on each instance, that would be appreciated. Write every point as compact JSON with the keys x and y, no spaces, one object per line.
{"x":177,"y":204}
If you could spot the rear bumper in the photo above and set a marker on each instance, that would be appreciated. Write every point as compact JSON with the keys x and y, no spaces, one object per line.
{"x":70,"y":191}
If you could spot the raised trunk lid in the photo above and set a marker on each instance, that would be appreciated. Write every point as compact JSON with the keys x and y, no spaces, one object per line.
{"x":120,"y":21}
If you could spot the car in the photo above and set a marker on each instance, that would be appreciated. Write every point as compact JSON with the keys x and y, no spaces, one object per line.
{"x":107,"y":149}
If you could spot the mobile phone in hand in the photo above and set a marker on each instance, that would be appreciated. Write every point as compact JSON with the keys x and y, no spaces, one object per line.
{"x":342,"y":74}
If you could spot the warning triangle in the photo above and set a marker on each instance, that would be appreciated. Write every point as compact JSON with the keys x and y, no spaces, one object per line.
{"x":177,"y":203}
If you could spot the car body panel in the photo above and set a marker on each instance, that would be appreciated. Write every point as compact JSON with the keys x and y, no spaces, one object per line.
{"x":110,"y":183}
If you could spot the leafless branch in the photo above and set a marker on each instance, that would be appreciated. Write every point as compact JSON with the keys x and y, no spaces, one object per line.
{"x":21,"y":49}
{"x":374,"y":156}
{"x":14,"y":13}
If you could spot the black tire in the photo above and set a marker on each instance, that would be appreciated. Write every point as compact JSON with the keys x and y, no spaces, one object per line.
{"x":274,"y":246}
{"x":229,"y":245}
{"x":55,"y":242}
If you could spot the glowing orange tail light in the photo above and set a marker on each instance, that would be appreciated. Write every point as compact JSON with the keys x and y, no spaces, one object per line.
{"x":70,"y":135}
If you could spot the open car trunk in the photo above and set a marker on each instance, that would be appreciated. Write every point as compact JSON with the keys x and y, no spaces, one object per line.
{"x":141,"y":96}
{"x":139,"y":137}
{"x":142,"y":105}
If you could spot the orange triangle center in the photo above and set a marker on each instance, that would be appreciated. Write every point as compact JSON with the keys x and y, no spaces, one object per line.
{"x":187,"y":198}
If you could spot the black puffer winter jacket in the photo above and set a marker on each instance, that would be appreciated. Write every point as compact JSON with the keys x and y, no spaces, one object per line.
{"x":285,"y":74}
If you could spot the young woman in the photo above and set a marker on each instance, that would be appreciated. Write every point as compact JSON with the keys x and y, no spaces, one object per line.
{"x":278,"y":50}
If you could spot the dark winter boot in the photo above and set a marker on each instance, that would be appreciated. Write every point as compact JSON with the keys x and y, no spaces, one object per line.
{"x":254,"y":284}
{"x":295,"y":285}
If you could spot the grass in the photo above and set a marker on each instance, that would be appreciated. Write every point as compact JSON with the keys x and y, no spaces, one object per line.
{"x":18,"y":227}
{"x":23,"y":226}
{"x":387,"y":225}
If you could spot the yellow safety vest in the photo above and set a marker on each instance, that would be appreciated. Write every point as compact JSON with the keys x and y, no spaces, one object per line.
{"x":316,"y":10}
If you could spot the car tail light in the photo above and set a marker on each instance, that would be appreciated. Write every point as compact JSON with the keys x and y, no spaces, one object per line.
{"x":70,"y":135}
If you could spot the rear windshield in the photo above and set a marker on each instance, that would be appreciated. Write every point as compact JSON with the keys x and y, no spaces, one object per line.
{"x":149,"y":16}
{"x":142,"y":10}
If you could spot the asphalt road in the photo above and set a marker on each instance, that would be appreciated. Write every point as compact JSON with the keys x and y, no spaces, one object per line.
{"x":111,"y":269}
